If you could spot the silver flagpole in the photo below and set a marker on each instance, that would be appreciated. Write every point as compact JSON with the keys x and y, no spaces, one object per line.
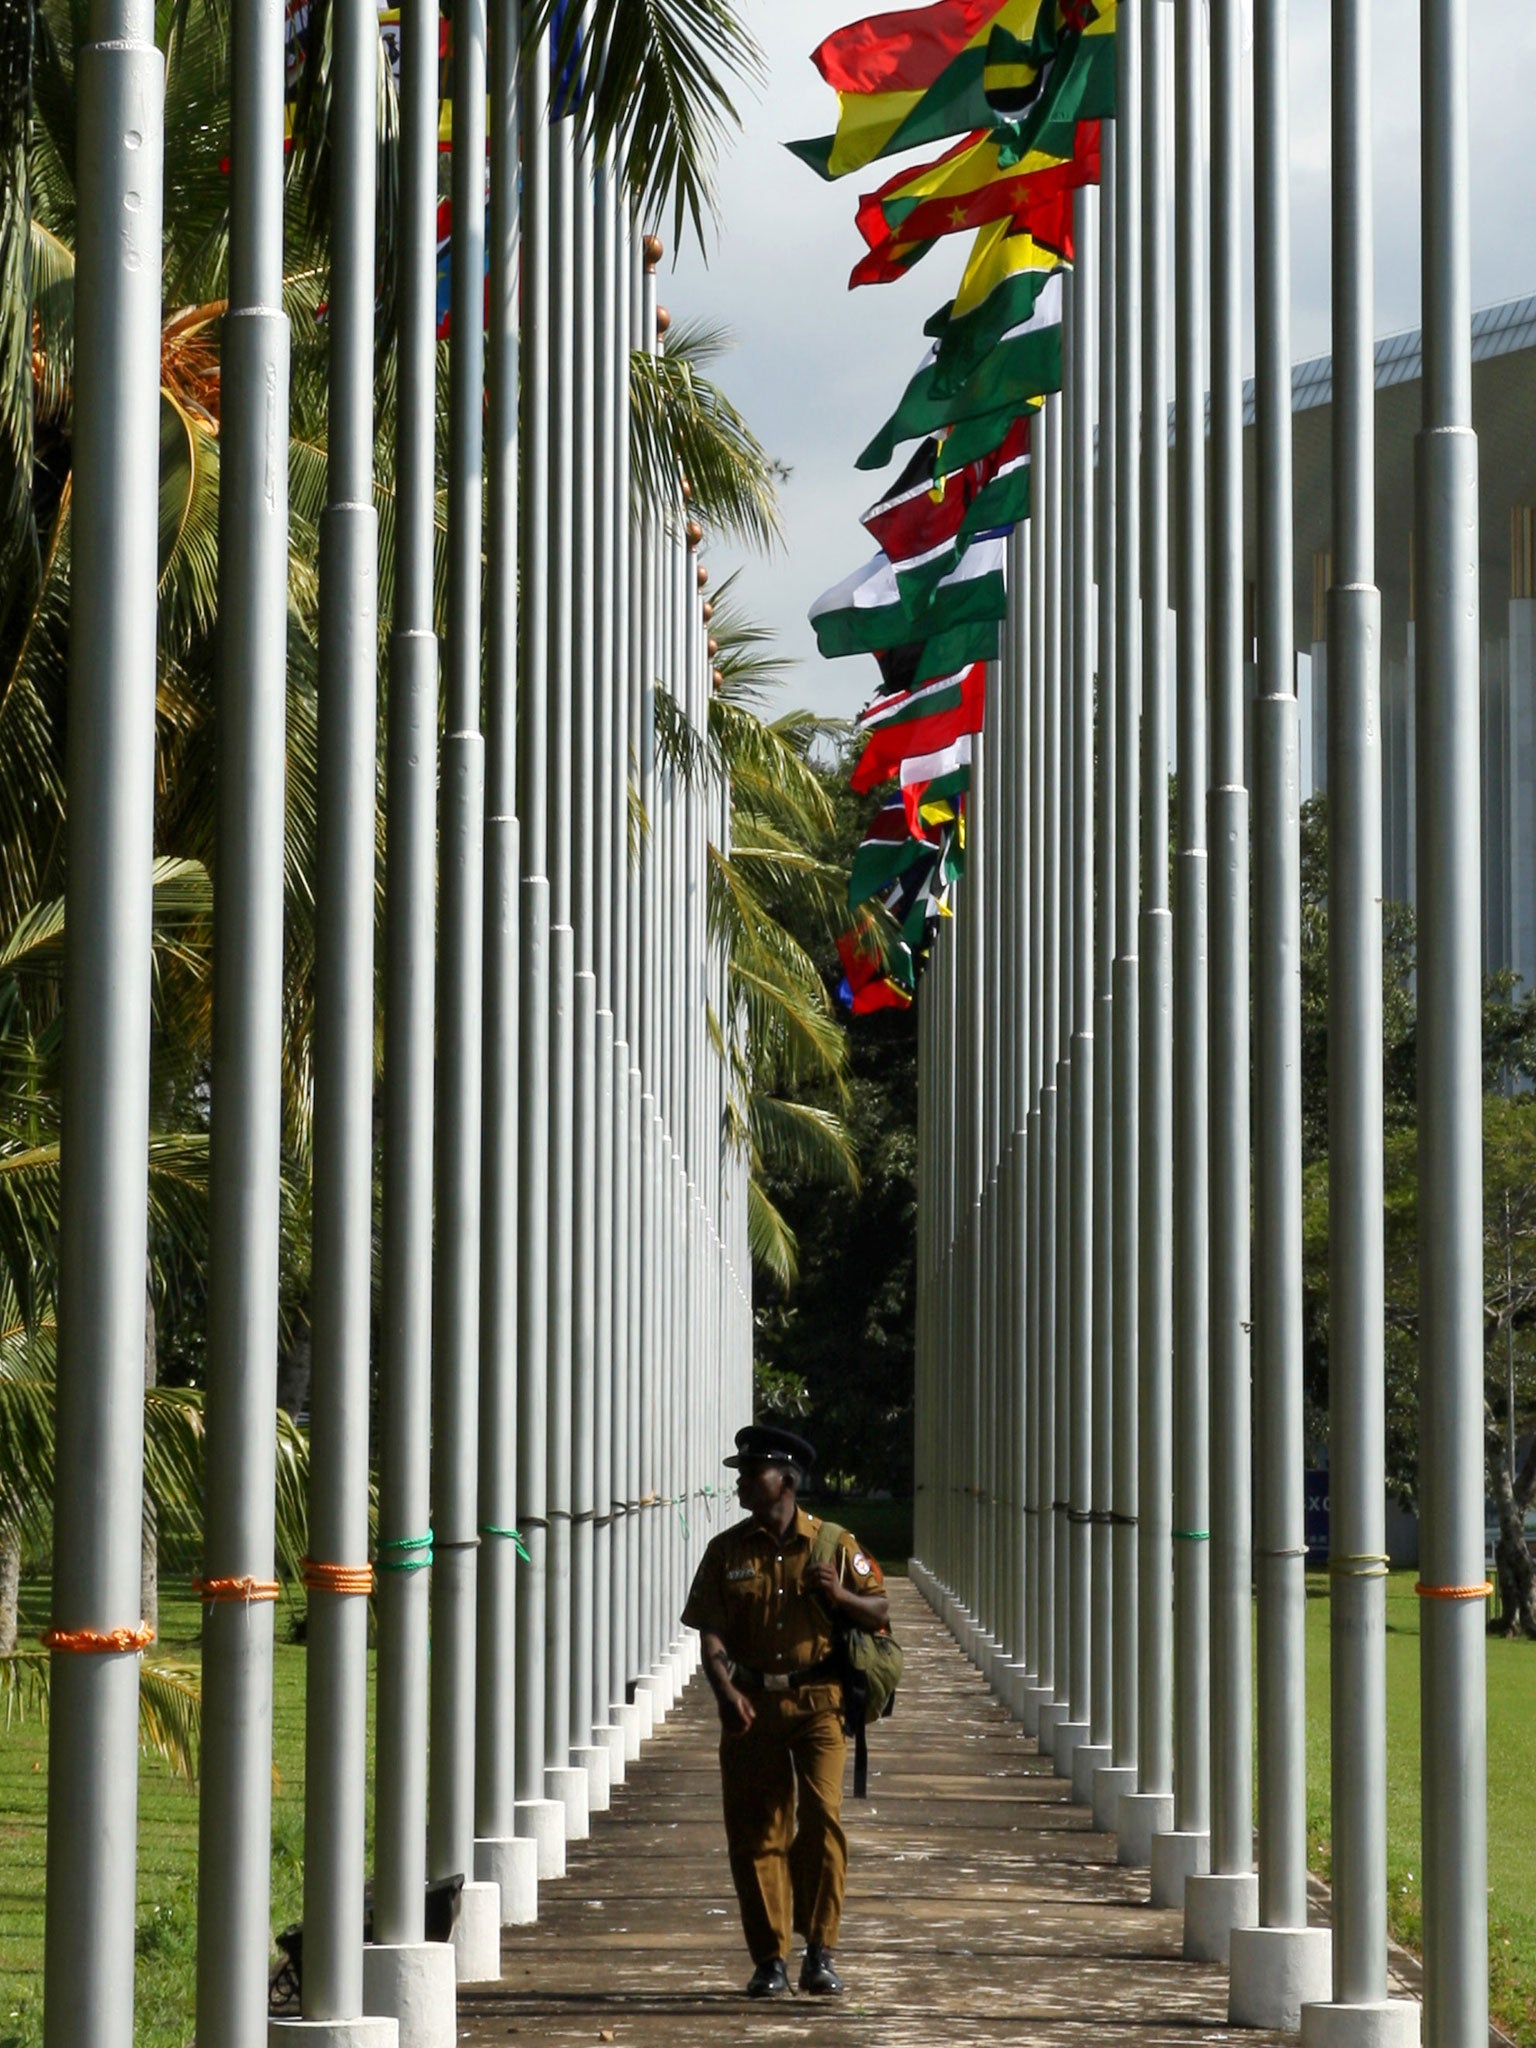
{"x":500,"y":1856}
{"x":1227,"y":1896}
{"x":1021,"y":924}
{"x":1051,"y":1218}
{"x":461,"y":860}
{"x":235,"y":1810}
{"x":1452,"y":1658}
{"x":1078,"y":1492}
{"x":1360,"y":2011}
{"x":543,"y":1819}
{"x":1187,"y":1849}
{"x":559,"y":1109}
{"x":1119,"y":1776}
{"x":583,"y":906}
{"x":1096,"y":1751}
{"x":410,"y":947}
{"x":1149,"y":1810}
{"x":1037,"y":1688}
{"x":1281,"y":1964}
{"x":336,"y":1692}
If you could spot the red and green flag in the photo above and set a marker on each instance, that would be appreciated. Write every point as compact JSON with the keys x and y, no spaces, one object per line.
{"x":928,"y":517}
{"x":920,"y":74}
{"x":911,"y":663}
{"x":923,"y":724}
{"x":889,"y":847}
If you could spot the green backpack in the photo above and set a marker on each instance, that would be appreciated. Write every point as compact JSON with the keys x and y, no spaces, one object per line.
{"x":871,"y":1668}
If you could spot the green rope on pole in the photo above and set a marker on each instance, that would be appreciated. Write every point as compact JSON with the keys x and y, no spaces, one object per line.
{"x":407,"y":1544}
{"x":512,"y":1536}
{"x":1191,"y":1535}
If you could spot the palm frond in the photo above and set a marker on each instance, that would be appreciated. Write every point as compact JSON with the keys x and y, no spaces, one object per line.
{"x":770,"y":1239}
{"x":803,"y":1140}
{"x":684,"y":425}
{"x":170,"y":1703}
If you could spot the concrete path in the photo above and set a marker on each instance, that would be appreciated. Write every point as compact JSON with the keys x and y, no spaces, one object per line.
{"x":982,"y":1908}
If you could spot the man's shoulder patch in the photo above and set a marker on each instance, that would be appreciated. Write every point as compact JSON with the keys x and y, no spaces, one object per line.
{"x":861,"y":1564}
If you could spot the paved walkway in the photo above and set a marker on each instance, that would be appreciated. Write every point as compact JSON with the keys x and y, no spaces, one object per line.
{"x":982,"y":1908}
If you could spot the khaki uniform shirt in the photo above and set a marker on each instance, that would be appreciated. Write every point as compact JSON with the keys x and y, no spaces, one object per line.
{"x":750,"y":1591}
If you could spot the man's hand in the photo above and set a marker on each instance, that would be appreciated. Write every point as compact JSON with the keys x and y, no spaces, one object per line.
{"x":737,"y":1712}
{"x":823,"y":1579}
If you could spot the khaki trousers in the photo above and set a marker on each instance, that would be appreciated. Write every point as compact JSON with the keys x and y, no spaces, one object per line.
{"x":783,"y":1787}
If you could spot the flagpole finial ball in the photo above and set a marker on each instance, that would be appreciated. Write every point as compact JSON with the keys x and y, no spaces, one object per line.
{"x":695,"y":533}
{"x":714,"y":646}
{"x":663,"y":319}
{"x":703,"y":576}
{"x":709,"y":611}
{"x":717,"y":678}
{"x":687,"y":491}
{"x":653,"y":251}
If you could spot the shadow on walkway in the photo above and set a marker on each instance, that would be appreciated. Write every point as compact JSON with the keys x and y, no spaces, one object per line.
{"x":981,"y":1906}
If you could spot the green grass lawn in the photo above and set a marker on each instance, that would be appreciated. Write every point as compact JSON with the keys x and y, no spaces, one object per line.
{"x":167,"y":1900}
{"x":1511,"y":1777}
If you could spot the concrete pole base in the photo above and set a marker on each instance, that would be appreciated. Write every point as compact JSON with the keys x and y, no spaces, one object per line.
{"x":1384,"y":2023}
{"x":1275,"y":1971}
{"x":511,"y":1863}
{"x":1052,"y":1713}
{"x":651,"y":1694}
{"x":1110,"y":1783}
{"x":543,"y":1822}
{"x":627,"y":1720}
{"x":1011,"y":1691}
{"x":1177,"y":1855}
{"x":608,"y":1735}
{"x":477,"y":1934}
{"x":1035,"y":1697}
{"x":376,"y":2031}
{"x":1142,"y":1815}
{"x":593,"y":1759}
{"x":1214,"y":1903}
{"x":570,"y":1787}
{"x":645,"y":1710}
{"x":1067,"y":1738}
{"x":412,"y":1983}
{"x":1088,"y":1759}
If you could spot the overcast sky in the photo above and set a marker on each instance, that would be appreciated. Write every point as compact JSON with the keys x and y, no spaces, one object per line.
{"x":817,"y":368}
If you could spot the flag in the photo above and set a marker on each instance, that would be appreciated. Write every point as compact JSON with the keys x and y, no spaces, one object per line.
{"x":1000,"y":288}
{"x":889,"y":847}
{"x":864,"y":612}
{"x":928,"y":516}
{"x":913,"y":662}
{"x":866,"y":984}
{"x":1026,"y":363}
{"x":931,"y":719}
{"x":980,"y":180}
{"x":918,"y":75}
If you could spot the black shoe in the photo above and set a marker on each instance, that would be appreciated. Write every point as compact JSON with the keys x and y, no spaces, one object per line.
{"x":817,"y":1974}
{"x":769,"y":1979}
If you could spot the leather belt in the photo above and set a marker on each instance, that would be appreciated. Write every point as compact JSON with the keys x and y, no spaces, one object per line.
{"x":787,"y":1681}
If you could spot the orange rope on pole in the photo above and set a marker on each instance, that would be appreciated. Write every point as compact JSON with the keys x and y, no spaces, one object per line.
{"x":1482,"y":1592}
{"x":337,"y":1578}
{"x":95,"y":1642}
{"x":245,"y":1590}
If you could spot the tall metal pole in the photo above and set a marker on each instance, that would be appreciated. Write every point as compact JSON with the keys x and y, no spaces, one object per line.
{"x":1280,"y":1964}
{"x":1079,"y":1495}
{"x":1046,"y":1494}
{"x":1037,"y":1688}
{"x":109,"y":771}
{"x":1450,"y":1073}
{"x":1228,"y":1896}
{"x":1120,"y":1776}
{"x":461,"y":874}
{"x":499,"y":1855}
{"x":1096,"y":1752}
{"x":1187,"y":1849}
{"x":239,"y":1583}
{"x":535,"y":1816}
{"x":336,"y":1695}
{"x":1149,"y":1810}
{"x":410,"y":944}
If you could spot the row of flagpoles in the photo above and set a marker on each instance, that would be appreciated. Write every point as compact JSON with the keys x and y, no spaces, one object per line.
{"x":564,"y":1291}
{"x":1110,"y":1444}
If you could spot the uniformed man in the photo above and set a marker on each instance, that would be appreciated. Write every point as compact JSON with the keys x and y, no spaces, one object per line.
{"x":765,"y":1616}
